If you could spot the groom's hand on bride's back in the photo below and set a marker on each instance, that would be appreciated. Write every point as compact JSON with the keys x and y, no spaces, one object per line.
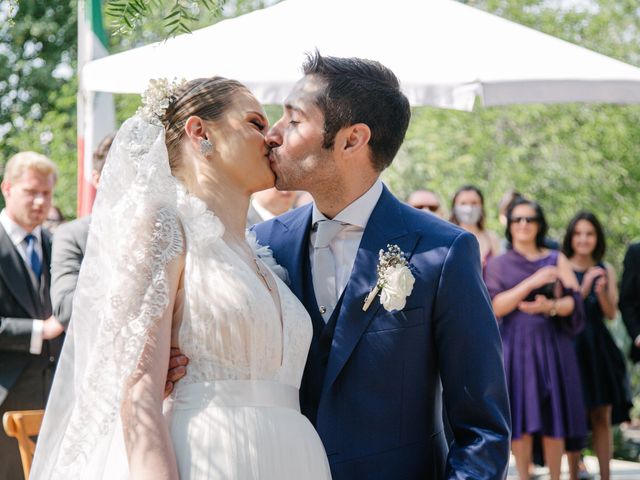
{"x":177,"y":369}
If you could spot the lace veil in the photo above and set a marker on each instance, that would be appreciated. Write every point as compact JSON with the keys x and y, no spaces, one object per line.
{"x":122,"y":291}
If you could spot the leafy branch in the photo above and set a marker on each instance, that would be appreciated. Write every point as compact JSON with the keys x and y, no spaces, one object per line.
{"x":129,"y":15}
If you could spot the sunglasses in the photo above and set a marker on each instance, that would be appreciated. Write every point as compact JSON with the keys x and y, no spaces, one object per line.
{"x":525,"y":219}
{"x":431,"y":208}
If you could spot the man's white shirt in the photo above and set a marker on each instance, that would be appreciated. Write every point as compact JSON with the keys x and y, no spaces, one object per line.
{"x":345,"y":244}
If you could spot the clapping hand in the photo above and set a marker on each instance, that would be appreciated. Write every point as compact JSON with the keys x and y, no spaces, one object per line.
{"x":541,"y":304}
{"x":601,"y":284}
{"x":593,"y":274}
{"x":544,"y":276}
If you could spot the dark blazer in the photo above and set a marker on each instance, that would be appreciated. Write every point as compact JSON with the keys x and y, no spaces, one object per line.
{"x":630,"y":297}
{"x":20,"y":303}
{"x":25,"y":379}
{"x":69,"y":246}
{"x":380,"y":408}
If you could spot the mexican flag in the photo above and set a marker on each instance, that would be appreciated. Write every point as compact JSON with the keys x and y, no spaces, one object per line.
{"x":96,"y":112}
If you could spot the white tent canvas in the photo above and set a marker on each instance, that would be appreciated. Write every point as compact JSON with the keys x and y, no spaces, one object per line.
{"x":445,"y":54}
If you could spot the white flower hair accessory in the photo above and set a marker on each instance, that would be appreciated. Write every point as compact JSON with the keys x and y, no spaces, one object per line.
{"x":395,"y":280}
{"x":157,"y":97}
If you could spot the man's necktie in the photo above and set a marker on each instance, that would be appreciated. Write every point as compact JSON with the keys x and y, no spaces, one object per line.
{"x":324,"y":267}
{"x":32,"y":255}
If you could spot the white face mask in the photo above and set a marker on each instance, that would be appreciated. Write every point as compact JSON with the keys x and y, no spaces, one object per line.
{"x":468,"y":214}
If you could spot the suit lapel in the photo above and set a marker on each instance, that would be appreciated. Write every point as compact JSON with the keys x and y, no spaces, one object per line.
{"x":385,"y":226}
{"x":46,"y":275}
{"x":290,"y":240}
{"x":15,"y":275}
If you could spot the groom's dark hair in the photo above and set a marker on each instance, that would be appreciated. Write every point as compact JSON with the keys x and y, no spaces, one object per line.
{"x":361,"y":91}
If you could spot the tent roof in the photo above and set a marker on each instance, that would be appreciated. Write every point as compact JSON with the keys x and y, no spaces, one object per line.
{"x":444,"y":53}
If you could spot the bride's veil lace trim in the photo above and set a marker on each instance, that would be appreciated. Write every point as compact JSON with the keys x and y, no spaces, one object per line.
{"x":122,"y":292}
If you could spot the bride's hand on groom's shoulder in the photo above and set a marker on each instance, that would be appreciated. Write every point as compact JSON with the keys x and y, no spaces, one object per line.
{"x":177,"y":369}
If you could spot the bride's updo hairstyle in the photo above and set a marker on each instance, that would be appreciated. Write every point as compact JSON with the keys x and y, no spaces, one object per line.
{"x":207,"y":98}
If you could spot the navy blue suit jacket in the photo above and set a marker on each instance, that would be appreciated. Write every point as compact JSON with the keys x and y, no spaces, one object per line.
{"x":380,"y":410}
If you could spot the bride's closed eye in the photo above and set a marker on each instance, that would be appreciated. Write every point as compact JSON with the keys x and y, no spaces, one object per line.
{"x":261,"y":126}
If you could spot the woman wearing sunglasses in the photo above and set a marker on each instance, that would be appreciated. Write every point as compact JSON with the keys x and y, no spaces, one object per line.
{"x":536,"y":297}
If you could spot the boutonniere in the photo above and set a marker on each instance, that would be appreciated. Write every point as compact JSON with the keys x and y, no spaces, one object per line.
{"x":395,"y":280}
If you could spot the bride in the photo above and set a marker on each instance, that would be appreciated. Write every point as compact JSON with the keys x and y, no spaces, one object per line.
{"x":168,"y":265}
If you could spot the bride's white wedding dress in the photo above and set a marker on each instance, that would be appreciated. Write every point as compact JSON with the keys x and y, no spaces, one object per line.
{"x":236,"y":413}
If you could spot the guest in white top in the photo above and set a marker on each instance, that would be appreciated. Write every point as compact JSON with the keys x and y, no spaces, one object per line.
{"x":268,"y":204}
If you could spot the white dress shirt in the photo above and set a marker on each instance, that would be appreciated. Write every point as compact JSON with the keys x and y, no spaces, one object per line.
{"x":344,"y":246}
{"x":17,"y":235}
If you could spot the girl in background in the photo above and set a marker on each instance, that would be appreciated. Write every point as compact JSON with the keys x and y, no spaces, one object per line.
{"x":605,"y":385}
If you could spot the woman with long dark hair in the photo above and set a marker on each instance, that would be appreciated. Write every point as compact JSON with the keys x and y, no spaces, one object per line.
{"x":605,"y":384}
{"x":535,"y":297}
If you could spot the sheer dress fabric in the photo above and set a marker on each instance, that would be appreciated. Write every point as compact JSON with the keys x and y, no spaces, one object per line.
{"x":236,"y":413}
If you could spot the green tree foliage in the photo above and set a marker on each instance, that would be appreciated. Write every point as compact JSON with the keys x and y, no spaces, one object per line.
{"x":177,"y":16}
{"x":38,"y":50}
{"x":568,"y":157}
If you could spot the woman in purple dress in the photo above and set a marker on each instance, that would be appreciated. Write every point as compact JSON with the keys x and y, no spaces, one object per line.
{"x":536,"y":298}
{"x":605,"y":384}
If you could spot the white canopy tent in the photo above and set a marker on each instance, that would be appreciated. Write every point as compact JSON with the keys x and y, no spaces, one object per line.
{"x":445,"y":53}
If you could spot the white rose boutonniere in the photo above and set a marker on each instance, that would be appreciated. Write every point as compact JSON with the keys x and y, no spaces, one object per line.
{"x":395,"y":280}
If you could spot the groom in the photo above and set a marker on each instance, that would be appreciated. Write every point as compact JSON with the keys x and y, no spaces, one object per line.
{"x":376,"y":380}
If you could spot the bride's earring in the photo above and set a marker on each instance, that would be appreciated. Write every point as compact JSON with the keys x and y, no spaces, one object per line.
{"x":206,"y":147}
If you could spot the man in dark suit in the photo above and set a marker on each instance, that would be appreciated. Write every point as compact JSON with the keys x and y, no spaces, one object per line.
{"x":630,"y":298}
{"x":30,"y":336}
{"x":70,"y":244}
{"x":381,"y":365}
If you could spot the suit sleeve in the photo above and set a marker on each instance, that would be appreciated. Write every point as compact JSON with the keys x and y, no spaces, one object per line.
{"x":15,"y":334}
{"x":66,"y":258}
{"x":471,"y":366}
{"x":630,"y":292}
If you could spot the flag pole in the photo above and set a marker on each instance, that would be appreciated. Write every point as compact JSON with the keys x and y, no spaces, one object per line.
{"x":96,"y":110}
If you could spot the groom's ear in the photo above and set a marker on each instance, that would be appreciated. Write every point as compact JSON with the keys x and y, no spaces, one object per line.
{"x":354,"y":138}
